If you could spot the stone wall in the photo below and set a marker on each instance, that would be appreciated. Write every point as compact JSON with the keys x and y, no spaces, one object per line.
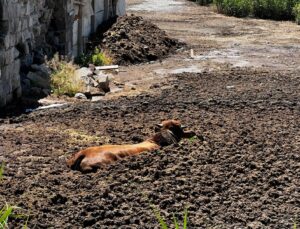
{"x":33,"y":29}
{"x":23,"y":24}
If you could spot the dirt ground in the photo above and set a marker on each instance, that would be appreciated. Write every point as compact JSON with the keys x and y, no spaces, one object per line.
{"x":241,"y":172}
{"x":216,"y":40}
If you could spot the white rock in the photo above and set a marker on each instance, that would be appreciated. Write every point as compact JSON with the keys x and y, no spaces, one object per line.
{"x":80,"y":96}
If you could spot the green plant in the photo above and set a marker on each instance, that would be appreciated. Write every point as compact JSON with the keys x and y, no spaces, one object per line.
{"x":1,"y":170}
{"x":296,"y":13}
{"x":163,"y":223}
{"x":8,"y":212}
{"x":237,"y":8}
{"x":100,"y":58}
{"x":83,"y":60}
{"x":63,"y":78}
{"x":266,"y":9}
{"x":194,"y":138}
{"x":96,"y":57}
{"x":274,"y":9}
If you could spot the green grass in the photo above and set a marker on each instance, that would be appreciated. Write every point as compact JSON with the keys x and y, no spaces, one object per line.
{"x":296,"y":13}
{"x":5,"y":213}
{"x":1,"y":171}
{"x":193,"y":139}
{"x":63,"y":78}
{"x":162,"y":221}
{"x":100,"y":58}
{"x":9,"y":212}
{"x":96,"y":57}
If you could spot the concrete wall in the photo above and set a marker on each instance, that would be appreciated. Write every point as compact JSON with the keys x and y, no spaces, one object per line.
{"x":30,"y":29}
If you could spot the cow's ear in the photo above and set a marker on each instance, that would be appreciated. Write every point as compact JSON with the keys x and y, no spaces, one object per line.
{"x":159,"y":125}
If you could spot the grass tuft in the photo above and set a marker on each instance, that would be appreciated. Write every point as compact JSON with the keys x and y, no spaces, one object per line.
{"x":5,"y":213}
{"x":1,"y":171}
{"x":163,"y":223}
{"x":8,"y":212}
{"x":97,"y":57}
{"x":63,"y":79}
{"x":296,"y":13}
{"x":193,"y":139}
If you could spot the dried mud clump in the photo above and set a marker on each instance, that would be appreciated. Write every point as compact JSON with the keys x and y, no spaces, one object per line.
{"x":133,"y":40}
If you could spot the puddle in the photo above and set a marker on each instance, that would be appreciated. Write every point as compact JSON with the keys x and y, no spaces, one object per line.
{"x":216,"y":54}
{"x":192,"y":69}
{"x":232,"y":56}
{"x":157,"y":5}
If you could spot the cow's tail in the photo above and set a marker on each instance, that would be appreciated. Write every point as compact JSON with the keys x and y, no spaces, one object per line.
{"x":75,"y":161}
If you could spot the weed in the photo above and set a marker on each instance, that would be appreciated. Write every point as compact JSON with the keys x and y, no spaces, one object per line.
{"x":296,"y":13}
{"x":160,"y":219}
{"x":8,"y":212}
{"x":193,"y":139}
{"x":63,"y":79}
{"x":295,"y":225}
{"x":96,"y":57}
{"x":158,"y":152}
{"x":1,"y":171}
{"x":163,"y":223}
{"x":101,"y":58}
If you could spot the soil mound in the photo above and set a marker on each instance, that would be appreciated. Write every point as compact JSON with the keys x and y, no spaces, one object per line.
{"x":133,"y":40}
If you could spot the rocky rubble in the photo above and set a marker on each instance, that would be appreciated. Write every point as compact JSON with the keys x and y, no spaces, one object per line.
{"x":133,"y":40}
{"x":97,"y":82}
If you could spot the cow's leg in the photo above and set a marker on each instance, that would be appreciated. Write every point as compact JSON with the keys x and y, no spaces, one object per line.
{"x":86,"y":167}
{"x":189,"y":134}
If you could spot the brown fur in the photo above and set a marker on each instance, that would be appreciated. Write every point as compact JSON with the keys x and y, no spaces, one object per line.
{"x":94,"y":157}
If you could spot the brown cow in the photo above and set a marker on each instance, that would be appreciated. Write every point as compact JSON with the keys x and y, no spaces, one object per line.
{"x":94,"y":157}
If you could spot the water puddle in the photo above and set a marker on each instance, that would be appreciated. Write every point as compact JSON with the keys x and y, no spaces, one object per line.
{"x":232,"y":56}
{"x":216,"y":54}
{"x":190,"y":69}
{"x":157,"y":5}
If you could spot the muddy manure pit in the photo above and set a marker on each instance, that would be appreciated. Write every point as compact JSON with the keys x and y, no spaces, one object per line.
{"x":241,"y":172}
{"x":134,"y":40}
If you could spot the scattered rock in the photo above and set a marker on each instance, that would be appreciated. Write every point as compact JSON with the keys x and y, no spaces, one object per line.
{"x":102,"y":82}
{"x":80,"y":96}
{"x":255,"y":225}
{"x":35,"y":91}
{"x":95,"y":83}
{"x":83,"y":74}
{"x":43,"y":70}
{"x":37,"y":80}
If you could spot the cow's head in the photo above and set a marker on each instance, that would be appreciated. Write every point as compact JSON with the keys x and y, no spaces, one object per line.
{"x":174,"y":131}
